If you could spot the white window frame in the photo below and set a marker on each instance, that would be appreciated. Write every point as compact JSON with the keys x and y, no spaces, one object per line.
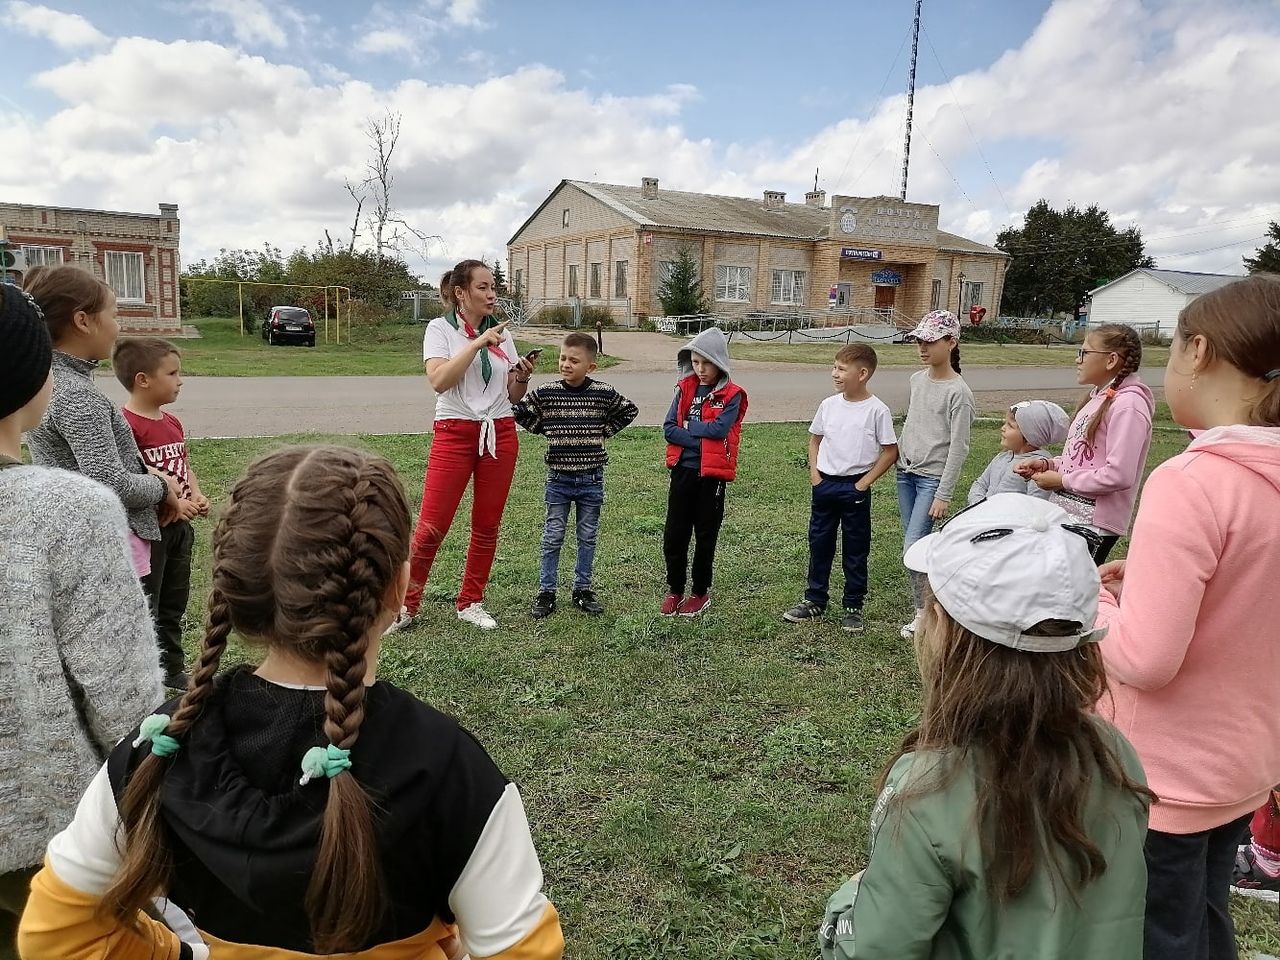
{"x":733,"y":283}
{"x":564,"y":217}
{"x":593,"y":277}
{"x":571,"y":281}
{"x":787,"y":288}
{"x":116,"y":273}
{"x":664,"y":271}
{"x":971,"y":294}
{"x":620,"y":279}
{"x":39,"y":256}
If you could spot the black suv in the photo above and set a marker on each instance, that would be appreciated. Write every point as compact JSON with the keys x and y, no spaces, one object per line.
{"x":289,"y":325}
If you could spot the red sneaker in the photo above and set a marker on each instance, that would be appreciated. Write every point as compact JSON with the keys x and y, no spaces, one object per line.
{"x":694,"y":605}
{"x":671,"y":603}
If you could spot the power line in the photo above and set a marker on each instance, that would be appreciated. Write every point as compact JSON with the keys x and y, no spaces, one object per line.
{"x":1223,"y":246}
{"x":965,"y":118}
{"x":866,"y":124}
{"x":1067,"y":247}
{"x":948,"y":169}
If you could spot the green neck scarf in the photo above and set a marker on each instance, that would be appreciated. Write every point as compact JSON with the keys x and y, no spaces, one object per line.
{"x":461,"y":324}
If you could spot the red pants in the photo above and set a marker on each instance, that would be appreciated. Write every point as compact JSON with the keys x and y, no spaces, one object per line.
{"x":455,"y":459}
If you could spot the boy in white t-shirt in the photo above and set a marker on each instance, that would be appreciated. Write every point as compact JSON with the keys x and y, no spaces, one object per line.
{"x":851,"y":445}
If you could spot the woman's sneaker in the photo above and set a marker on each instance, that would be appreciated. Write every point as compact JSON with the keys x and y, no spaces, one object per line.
{"x":403,"y":621}
{"x":477,"y":616}
{"x":671,"y":603}
{"x":804,"y":611}
{"x":694,"y":604}
{"x":908,"y":630}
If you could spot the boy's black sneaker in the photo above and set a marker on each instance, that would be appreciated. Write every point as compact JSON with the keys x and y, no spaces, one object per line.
{"x":585,"y":600}
{"x":804,"y":611}
{"x":852,"y":621}
{"x":544,"y":606}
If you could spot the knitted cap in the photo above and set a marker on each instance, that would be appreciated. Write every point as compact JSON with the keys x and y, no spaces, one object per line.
{"x":26,"y":352}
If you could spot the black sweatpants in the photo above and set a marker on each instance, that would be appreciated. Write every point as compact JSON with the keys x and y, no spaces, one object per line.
{"x":1188,"y":888}
{"x":695,"y":509}
{"x":168,"y":586}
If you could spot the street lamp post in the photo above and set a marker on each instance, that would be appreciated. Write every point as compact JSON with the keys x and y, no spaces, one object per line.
{"x":960,"y":295}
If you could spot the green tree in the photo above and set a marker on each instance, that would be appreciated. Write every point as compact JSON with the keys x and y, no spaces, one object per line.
{"x":1267,"y":258}
{"x":1058,"y":256}
{"x":681,"y":290}
{"x":499,"y":278}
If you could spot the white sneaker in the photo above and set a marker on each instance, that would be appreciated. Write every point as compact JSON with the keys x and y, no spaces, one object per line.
{"x":477,"y":616}
{"x":403,"y":621}
{"x":908,"y":630}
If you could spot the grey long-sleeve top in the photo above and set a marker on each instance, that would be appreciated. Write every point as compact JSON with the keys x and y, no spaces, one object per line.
{"x":935,"y":438}
{"x":82,"y":431}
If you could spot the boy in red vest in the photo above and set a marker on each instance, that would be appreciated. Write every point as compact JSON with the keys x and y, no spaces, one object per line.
{"x":703,"y":429}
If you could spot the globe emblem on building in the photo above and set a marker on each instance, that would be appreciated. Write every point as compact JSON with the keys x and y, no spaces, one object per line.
{"x":848,"y":222}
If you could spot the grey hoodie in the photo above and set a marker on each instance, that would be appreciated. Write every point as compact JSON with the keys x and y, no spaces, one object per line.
{"x":710,"y":343}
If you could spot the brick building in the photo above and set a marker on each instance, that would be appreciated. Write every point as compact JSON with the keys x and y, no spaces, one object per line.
{"x":609,"y":245}
{"x":135,"y":253}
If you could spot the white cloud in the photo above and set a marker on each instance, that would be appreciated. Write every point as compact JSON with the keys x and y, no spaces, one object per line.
{"x":252,"y":22}
{"x":385,"y":41}
{"x":66,"y":30}
{"x":1104,"y":103}
{"x":409,"y":31}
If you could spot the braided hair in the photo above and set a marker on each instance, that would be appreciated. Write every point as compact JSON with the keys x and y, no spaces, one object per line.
{"x":309,"y":574}
{"x":1123,"y":341}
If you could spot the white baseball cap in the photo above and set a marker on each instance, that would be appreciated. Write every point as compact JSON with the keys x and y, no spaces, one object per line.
{"x":1008,"y":563}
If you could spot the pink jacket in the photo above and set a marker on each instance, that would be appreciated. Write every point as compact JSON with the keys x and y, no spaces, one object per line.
{"x":1193,"y":653}
{"x":1110,"y":471}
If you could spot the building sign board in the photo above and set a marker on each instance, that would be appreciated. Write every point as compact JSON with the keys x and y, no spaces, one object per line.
{"x":886,"y":278}
{"x":860,"y":253}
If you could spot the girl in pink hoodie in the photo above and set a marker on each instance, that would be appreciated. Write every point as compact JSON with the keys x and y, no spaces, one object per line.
{"x":1097,"y":477}
{"x":1193,"y":653}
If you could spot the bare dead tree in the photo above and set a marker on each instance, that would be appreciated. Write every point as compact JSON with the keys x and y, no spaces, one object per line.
{"x":383,"y":134}
{"x":357,"y":194}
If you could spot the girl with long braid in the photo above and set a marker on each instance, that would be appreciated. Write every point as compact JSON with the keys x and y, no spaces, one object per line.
{"x":302,"y":807}
{"x":1096,"y":479}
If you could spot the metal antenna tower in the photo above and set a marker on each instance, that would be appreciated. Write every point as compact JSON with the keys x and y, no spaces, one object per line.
{"x":911,"y":102}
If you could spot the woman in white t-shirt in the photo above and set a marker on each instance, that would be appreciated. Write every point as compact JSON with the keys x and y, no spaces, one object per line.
{"x":472,"y":364}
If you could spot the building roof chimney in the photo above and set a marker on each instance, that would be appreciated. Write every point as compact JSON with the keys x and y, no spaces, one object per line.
{"x":649,"y":188}
{"x":816,"y":198}
{"x":774,"y":199}
{"x":169,"y":211}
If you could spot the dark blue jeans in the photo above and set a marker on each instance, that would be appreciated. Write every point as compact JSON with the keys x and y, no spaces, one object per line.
{"x":564,"y":489}
{"x":840,"y":507}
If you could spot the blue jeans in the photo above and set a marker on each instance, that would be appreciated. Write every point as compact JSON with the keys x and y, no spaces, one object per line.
{"x":564,"y":488}
{"x":916,"y":494}
{"x":838,"y":507}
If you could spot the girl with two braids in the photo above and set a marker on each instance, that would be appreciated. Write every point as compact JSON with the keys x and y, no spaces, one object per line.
{"x":1096,"y":479}
{"x":302,"y":807}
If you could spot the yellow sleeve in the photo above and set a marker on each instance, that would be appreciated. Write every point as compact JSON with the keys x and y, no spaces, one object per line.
{"x":60,"y":923}
{"x":544,"y":941}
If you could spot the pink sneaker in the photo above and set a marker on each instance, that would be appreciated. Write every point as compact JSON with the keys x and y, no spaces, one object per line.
{"x":671,"y":603}
{"x":694,"y":605}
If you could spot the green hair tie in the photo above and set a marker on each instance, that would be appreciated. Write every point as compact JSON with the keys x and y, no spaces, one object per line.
{"x":153,"y":728}
{"x":324,"y":762}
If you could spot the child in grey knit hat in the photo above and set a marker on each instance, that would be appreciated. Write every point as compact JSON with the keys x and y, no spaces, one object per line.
{"x":1029,"y":427}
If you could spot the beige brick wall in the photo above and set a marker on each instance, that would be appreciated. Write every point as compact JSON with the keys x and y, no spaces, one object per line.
{"x":87,"y":235}
{"x":587,"y":215}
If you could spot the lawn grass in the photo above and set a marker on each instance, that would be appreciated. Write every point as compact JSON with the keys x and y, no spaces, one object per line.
{"x":906,"y":355}
{"x":385,"y":350}
{"x":696,"y":787}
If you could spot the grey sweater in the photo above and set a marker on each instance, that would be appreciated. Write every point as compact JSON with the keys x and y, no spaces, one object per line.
{"x":83,"y":431}
{"x":72,"y":616}
{"x":1000,"y":478}
{"x":935,"y":438}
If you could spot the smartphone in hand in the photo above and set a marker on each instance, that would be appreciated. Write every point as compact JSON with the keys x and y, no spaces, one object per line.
{"x":532,"y":355}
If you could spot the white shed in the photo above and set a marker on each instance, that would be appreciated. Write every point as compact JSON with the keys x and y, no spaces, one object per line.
{"x":1145,"y":298}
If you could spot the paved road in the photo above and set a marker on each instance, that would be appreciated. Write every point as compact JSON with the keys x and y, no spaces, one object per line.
{"x":269,"y":406}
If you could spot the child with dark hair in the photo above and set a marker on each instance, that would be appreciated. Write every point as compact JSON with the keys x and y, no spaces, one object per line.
{"x":77,"y":653}
{"x":303,"y":806}
{"x":576,"y":414}
{"x":82,"y":430}
{"x":851,"y":446}
{"x":1011,"y":823}
{"x":151,"y":370}
{"x":703,"y":430}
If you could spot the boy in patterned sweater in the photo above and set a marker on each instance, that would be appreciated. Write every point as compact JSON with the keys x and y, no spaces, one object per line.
{"x":577,"y":415}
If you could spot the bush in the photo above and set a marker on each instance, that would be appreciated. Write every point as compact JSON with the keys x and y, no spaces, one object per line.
{"x":561,"y":315}
{"x":998,"y":334}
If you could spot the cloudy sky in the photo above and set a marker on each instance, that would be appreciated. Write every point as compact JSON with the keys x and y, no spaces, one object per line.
{"x":249,"y":113}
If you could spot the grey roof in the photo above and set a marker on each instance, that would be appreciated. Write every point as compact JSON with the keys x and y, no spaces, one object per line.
{"x":1181,"y":281}
{"x":709,"y":213}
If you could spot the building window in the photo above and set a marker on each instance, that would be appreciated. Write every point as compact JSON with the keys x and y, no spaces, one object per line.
{"x":733,"y":284}
{"x":573,"y":279}
{"x":620,"y":279}
{"x":564,"y":217}
{"x":42,"y":256}
{"x":595,"y":281}
{"x":935,"y":296}
{"x":664,"y":271}
{"x":517,"y":281}
{"x":124,"y":275}
{"x":970,"y":295}
{"x":788,"y":287}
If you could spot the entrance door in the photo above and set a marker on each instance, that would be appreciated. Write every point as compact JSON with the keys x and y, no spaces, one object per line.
{"x":886,"y":297}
